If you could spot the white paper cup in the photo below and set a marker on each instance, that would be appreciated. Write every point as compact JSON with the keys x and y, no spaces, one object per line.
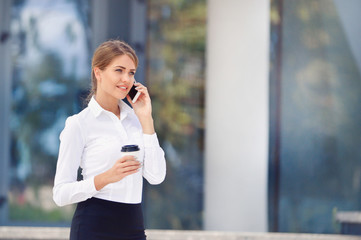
{"x":132,"y":150}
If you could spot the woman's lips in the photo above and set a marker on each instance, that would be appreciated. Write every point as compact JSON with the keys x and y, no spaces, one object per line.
{"x":123,"y":88}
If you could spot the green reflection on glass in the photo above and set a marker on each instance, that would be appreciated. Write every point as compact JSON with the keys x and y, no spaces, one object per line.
{"x":50,"y":71}
{"x":176,"y":51}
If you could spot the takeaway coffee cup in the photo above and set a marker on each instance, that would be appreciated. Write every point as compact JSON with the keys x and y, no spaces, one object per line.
{"x":132,"y":150}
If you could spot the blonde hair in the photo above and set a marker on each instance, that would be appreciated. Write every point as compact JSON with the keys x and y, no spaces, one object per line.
{"x":103,"y":56}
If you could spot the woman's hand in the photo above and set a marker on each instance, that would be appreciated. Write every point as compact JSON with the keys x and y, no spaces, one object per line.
{"x":143,"y":109}
{"x":125,"y":166}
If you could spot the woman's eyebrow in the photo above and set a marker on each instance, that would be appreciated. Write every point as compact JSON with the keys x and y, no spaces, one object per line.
{"x":124,"y":68}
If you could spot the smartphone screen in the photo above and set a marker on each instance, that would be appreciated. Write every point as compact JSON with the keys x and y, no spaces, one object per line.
{"x":133,"y":94}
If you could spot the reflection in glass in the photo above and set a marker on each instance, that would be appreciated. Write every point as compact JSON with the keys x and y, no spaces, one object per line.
{"x":176,"y":52}
{"x":50,"y":54}
{"x":320,"y":96}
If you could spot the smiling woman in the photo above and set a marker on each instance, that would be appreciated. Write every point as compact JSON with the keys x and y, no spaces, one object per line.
{"x":111,"y":191}
{"x":114,"y":82}
{"x":110,"y":58}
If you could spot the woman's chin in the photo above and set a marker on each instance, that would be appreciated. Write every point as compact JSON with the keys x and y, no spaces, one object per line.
{"x":120,"y":96}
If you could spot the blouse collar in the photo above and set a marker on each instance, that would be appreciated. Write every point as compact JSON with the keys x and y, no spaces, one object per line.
{"x":97,"y":109}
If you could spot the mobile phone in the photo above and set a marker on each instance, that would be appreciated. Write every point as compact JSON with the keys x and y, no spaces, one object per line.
{"x":133,"y":94}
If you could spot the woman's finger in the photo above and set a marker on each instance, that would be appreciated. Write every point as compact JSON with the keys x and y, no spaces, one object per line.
{"x":128,"y":168}
{"x":141,"y":87}
{"x":144,"y":92}
{"x":126,"y":158}
{"x":130,"y":163}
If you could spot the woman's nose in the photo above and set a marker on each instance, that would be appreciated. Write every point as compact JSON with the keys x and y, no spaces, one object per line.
{"x":125,"y":78}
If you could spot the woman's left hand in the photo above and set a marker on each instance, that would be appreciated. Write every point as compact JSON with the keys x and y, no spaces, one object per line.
{"x":143,"y":108}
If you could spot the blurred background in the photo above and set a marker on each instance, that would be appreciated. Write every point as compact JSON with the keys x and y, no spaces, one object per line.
{"x":307,"y":163}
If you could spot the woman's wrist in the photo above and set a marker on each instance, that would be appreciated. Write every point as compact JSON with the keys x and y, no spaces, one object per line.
{"x":147,"y":125}
{"x":100,"y":181}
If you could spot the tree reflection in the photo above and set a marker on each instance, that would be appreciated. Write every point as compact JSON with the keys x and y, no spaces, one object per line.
{"x":49,"y":74}
{"x":320,"y":118}
{"x":176,"y":82}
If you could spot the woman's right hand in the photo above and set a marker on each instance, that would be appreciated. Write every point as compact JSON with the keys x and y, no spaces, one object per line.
{"x":125,"y":166}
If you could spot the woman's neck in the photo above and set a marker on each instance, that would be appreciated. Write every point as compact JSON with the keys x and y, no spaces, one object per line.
{"x":108,"y":103}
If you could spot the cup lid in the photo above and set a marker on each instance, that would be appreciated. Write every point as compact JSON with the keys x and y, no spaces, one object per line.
{"x":130,"y":148}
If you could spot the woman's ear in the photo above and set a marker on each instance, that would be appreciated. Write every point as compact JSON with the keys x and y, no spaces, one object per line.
{"x":97,"y":73}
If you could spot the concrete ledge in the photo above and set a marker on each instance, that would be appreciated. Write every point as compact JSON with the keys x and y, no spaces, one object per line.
{"x":34,"y":233}
{"x":349,"y":217}
{"x":212,"y":235}
{"x":54,"y":233}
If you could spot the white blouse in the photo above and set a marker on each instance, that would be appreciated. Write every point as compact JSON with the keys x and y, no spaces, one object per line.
{"x":92,"y":140}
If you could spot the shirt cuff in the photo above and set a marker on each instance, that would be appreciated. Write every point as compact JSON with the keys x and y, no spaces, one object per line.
{"x":150,"y":140}
{"x":91,"y":186}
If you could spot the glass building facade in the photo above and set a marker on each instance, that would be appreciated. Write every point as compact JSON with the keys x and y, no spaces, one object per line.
{"x":50,"y":53}
{"x":315,"y":132}
{"x":176,"y":61}
{"x":51,"y":49}
{"x":315,"y":89}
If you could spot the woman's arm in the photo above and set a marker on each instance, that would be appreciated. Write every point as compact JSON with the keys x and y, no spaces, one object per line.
{"x":154,"y":169}
{"x":67,"y":189}
{"x":125,"y":166}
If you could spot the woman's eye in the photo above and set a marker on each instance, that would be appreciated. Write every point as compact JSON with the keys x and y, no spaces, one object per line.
{"x":132,"y":73}
{"x":119,"y":70}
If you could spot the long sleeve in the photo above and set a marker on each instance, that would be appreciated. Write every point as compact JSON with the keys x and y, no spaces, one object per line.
{"x":67,"y":189}
{"x":154,"y":162}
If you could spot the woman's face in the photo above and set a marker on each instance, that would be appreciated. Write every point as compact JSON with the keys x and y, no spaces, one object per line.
{"x":117,"y":78}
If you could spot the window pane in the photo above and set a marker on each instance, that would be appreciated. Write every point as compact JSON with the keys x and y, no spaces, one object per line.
{"x":50,"y":54}
{"x":320,"y":96}
{"x":176,"y":51}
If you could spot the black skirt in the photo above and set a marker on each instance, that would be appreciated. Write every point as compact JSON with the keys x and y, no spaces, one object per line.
{"x":106,"y":220}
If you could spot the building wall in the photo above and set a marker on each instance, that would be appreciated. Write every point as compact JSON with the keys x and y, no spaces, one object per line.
{"x":237,"y":115}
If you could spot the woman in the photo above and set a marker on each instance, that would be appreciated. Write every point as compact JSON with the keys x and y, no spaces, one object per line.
{"x":109,"y":196}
